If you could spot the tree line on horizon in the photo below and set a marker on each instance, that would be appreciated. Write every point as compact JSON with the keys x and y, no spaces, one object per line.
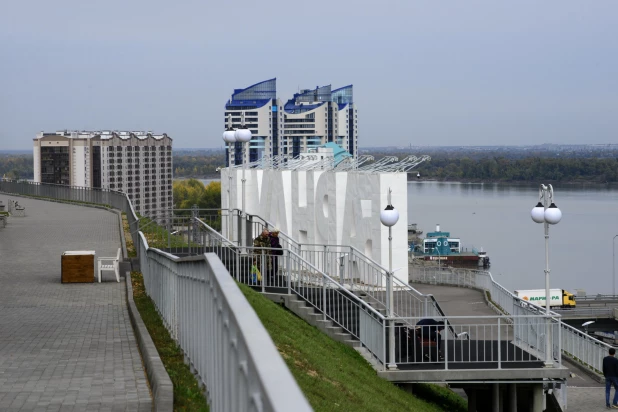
{"x":444,"y":165}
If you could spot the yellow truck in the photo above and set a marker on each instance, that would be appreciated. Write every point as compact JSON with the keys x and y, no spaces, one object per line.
{"x":560,"y":298}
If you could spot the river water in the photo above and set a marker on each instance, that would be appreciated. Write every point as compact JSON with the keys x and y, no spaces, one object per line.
{"x":497,"y":217}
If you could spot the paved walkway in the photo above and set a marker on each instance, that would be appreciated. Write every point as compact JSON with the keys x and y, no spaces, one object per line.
{"x":64,"y":347}
{"x":583,"y":393}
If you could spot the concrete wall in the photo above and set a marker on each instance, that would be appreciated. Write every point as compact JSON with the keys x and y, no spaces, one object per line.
{"x":337,"y":208}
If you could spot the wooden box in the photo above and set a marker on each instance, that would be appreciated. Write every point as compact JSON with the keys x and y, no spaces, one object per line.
{"x":78,"y":266}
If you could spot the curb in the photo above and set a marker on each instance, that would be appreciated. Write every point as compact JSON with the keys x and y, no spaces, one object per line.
{"x":160,"y":382}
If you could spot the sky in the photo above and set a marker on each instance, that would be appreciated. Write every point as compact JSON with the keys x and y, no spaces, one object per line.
{"x":424,"y":72}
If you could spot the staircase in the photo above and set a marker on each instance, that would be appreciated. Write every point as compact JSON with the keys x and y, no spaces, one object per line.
{"x":311,"y":315}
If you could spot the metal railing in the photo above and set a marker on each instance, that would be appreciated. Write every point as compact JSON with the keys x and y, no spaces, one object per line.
{"x":291,"y":273}
{"x":569,"y":341}
{"x":494,"y":341}
{"x":203,"y":308}
{"x":204,"y":311}
{"x":362,"y":274}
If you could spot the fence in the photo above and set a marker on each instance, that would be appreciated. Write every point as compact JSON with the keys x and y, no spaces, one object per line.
{"x":204,"y":311}
{"x":203,"y":308}
{"x":490,"y":341}
{"x":567,"y":340}
{"x":290,"y":273}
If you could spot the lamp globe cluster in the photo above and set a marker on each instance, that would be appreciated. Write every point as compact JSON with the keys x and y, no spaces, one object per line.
{"x":243,"y":135}
{"x":551,"y":215}
{"x":229,"y":136}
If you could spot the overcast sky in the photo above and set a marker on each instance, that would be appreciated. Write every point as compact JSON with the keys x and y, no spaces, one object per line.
{"x":424,"y":72}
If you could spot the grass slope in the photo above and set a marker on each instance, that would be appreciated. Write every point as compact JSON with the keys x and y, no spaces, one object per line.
{"x":333,"y":376}
{"x":187,"y":393}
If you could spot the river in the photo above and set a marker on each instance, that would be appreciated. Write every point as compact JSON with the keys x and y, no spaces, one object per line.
{"x":497,"y":217}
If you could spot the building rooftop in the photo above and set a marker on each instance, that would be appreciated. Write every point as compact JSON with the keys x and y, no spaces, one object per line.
{"x":256,"y":95}
{"x":103,"y":134}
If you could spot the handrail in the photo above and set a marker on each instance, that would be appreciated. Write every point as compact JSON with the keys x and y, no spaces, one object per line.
{"x":326,"y":276}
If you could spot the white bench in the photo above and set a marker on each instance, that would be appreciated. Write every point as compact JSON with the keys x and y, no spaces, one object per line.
{"x":109,"y":263}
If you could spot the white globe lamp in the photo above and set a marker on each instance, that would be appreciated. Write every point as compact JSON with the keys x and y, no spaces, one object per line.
{"x":389,"y":216}
{"x":243,"y":135}
{"x":538,"y":213}
{"x":229,"y":136}
{"x":552,"y":214}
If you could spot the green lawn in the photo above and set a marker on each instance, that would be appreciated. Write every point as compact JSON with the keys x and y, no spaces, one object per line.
{"x":187,"y":393}
{"x":333,"y":376}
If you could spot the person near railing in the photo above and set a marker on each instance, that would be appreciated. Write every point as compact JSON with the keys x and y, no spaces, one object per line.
{"x":430,"y":329}
{"x":610,"y":371}
{"x":262,"y":241}
{"x":274,"y":260}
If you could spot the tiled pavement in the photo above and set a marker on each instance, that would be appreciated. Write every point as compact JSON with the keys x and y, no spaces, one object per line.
{"x":64,"y":347}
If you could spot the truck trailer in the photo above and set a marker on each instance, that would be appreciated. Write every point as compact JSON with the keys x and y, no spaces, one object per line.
{"x":560,"y":298}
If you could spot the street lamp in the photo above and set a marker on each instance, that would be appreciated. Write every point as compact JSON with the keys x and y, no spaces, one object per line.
{"x":614,"y":266}
{"x":243,"y":135}
{"x":548,"y":215}
{"x":229,"y":137}
{"x":389,"y":218}
{"x":586,"y":324}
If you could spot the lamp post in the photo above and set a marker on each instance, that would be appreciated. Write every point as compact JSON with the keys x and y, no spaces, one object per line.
{"x":229,"y":137}
{"x":614,"y":266}
{"x":389,"y":218}
{"x":548,"y":215}
{"x":243,"y":135}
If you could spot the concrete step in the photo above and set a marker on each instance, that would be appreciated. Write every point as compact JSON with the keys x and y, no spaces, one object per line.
{"x":369,"y":358}
{"x":332,"y":329}
{"x":353,"y":343}
{"x":342,"y":337}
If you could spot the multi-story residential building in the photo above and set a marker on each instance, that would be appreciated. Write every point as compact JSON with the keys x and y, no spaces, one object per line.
{"x":136,"y":163}
{"x":310,"y":119}
{"x":347,"y":122}
{"x":262,"y":115}
{"x":318,"y":116}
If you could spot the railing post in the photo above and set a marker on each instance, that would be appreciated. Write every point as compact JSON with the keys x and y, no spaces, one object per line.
{"x":499,"y":346}
{"x":445,"y":344}
{"x":560,"y":341}
{"x":289,"y":270}
{"x":324,"y":296}
{"x":324,"y":268}
{"x":264,"y":265}
{"x":237,"y":266}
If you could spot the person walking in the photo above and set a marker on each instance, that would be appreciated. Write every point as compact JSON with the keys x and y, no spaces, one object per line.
{"x":610,"y":371}
{"x":262,"y":241}
{"x":277,"y":251}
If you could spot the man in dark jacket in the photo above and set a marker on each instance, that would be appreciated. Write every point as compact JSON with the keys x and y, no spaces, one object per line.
{"x":610,"y":371}
{"x":431,"y":328}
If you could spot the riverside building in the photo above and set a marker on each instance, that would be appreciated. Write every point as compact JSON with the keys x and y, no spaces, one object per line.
{"x":262,"y":112}
{"x":318,"y":116}
{"x":136,"y":163}
{"x":310,"y":119}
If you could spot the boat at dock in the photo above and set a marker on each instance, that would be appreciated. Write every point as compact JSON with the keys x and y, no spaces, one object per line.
{"x":440,"y":247}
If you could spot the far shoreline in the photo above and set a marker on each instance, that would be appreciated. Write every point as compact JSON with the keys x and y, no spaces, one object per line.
{"x":471,"y":181}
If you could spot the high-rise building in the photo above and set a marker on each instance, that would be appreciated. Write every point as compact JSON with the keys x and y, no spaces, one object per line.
{"x":262,"y":113}
{"x":314,"y":117}
{"x":136,"y":163}
{"x":310,"y":119}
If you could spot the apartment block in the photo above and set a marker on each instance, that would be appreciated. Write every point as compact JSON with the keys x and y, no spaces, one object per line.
{"x":136,"y":163}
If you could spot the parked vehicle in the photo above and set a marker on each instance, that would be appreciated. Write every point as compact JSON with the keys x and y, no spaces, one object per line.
{"x":560,"y":298}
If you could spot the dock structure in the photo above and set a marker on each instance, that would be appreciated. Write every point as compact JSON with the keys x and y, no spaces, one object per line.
{"x":64,"y":345}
